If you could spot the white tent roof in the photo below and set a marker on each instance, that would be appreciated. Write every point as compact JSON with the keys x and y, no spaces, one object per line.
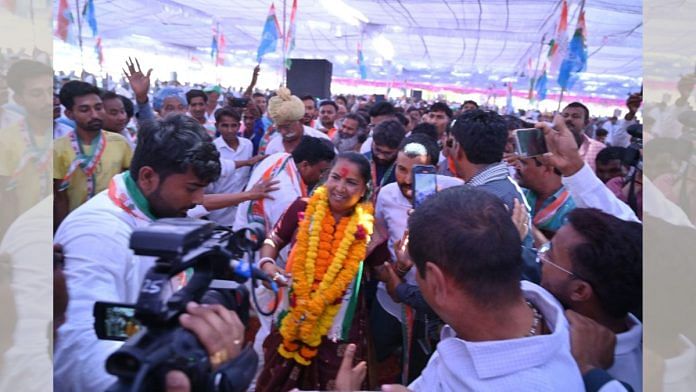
{"x":475,"y":43}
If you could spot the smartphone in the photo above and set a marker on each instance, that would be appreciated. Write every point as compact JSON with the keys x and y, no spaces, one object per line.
{"x":239,"y":102}
{"x":530,"y":142}
{"x":424,"y":183}
{"x":114,"y":321}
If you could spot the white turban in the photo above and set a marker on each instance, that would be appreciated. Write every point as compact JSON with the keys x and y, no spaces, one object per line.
{"x":285,"y":107}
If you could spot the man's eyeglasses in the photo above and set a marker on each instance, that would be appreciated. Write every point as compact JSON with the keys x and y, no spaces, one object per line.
{"x":543,"y":258}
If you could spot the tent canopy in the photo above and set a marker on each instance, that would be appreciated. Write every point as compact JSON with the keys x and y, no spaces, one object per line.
{"x":472,"y":43}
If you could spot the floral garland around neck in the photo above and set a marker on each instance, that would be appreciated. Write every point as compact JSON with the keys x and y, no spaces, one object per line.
{"x":323,"y":262}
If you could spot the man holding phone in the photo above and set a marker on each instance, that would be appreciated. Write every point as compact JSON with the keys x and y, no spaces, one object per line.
{"x":394,"y":202}
{"x":476,"y":144}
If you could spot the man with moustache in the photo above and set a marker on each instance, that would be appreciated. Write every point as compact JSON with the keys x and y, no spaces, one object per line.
{"x":387,"y":137}
{"x":173,"y":163}
{"x":328,"y":111}
{"x":310,"y":116}
{"x":388,"y":316}
{"x":287,"y":111}
{"x":84,"y":160}
{"x":577,"y":117}
{"x":347,"y":137}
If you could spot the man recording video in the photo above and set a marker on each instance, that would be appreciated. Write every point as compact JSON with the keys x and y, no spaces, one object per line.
{"x":173,"y":163}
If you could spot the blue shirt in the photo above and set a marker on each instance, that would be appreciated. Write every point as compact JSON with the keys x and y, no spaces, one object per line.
{"x":557,"y":219}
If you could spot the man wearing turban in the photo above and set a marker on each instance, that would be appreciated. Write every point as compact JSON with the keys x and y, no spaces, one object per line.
{"x":286,"y":111}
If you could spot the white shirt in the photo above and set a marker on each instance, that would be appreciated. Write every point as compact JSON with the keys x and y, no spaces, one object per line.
{"x":588,"y":191}
{"x":99,"y":266}
{"x":539,"y":363}
{"x":61,"y":129}
{"x":320,"y":127}
{"x":276,"y":143}
{"x":235,"y":181}
{"x":367,"y":146}
{"x":124,"y":132}
{"x":391,"y":215}
{"x":628,"y":355}
{"x":288,"y":191}
{"x":618,"y":135}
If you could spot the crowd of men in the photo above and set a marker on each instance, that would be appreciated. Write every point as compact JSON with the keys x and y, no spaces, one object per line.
{"x":521,"y":273}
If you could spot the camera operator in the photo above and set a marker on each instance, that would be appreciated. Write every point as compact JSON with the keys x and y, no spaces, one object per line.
{"x":173,"y":163}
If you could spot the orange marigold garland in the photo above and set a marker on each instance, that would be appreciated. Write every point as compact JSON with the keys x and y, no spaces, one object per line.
{"x":323,"y":262}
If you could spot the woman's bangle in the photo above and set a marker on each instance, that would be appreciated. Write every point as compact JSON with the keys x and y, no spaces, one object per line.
{"x":265,"y":260}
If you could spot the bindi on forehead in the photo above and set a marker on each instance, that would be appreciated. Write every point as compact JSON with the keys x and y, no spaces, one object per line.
{"x":343,"y":171}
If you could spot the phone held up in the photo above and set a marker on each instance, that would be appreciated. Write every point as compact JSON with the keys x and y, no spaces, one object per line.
{"x":530,"y":142}
{"x":424,"y":183}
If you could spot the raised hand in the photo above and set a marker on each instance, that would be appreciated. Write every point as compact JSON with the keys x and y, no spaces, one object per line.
{"x":140,"y":83}
{"x":403,"y":259}
{"x":563,"y":150}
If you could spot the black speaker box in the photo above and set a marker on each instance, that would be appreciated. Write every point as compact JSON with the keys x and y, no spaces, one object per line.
{"x":310,"y":77}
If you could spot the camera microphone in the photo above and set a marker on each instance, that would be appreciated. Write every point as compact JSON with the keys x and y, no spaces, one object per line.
{"x":246,"y":270}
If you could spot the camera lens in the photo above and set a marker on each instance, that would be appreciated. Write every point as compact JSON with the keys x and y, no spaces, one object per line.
{"x":123,"y":364}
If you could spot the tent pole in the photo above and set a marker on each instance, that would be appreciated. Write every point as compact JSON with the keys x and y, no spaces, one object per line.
{"x":285,"y":32}
{"x":558,"y":110}
{"x":536,"y":69}
{"x":79,"y":33}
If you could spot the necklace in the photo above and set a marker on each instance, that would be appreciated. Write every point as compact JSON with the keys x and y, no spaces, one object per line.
{"x":534,"y":329}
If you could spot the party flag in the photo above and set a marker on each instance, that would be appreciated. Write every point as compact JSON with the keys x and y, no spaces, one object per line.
{"x":214,"y":45}
{"x":541,"y":85}
{"x":100,"y":51}
{"x":290,"y":36}
{"x":576,"y":58}
{"x":220,"y":60}
{"x":65,"y":22}
{"x":361,"y":62}
{"x":559,"y":43}
{"x":91,"y":17}
{"x":271,"y":33}
{"x":509,"y":109}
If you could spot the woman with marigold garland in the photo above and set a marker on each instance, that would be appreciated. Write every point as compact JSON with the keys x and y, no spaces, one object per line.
{"x":322,"y":309}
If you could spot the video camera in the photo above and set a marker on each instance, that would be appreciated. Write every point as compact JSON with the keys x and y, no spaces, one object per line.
{"x":161,"y":345}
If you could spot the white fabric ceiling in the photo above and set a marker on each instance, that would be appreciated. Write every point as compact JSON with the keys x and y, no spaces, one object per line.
{"x":474,"y":43}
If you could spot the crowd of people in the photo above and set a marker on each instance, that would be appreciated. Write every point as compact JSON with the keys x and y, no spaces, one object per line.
{"x":519,"y":273}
